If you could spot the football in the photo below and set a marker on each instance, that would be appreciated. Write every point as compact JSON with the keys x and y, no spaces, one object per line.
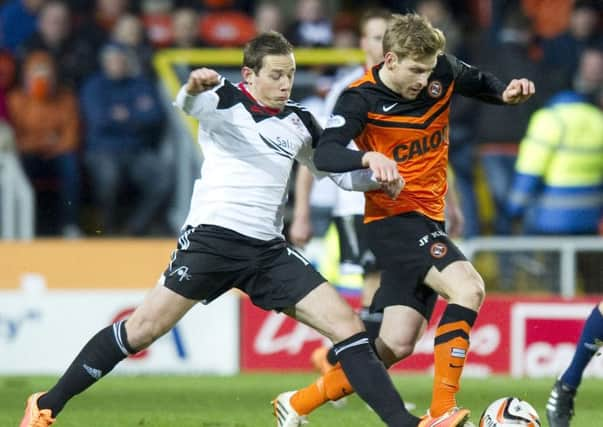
{"x":510,"y":411}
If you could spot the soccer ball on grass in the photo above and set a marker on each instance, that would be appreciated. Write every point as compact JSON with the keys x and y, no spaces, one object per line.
{"x":510,"y":411}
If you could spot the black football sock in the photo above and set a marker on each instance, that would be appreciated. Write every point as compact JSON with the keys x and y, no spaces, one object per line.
{"x":331,"y":356}
{"x":372,"y":324}
{"x":370,"y":380}
{"x":98,"y":357}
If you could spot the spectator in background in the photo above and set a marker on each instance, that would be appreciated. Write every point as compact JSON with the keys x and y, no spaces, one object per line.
{"x":185,"y":25}
{"x":557,"y":188}
{"x":439,"y":14}
{"x":589,"y":79}
{"x":124,"y":123}
{"x":107,"y":13}
{"x":559,"y":176}
{"x":17,"y":22}
{"x":564,"y":51}
{"x":45,"y":118}
{"x":268,"y":17}
{"x":156,"y":16}
{"x":3,"y":106}
{"x":7,"y":78}
{"x":74,"y":56}
{"x":96,"y":26}
{"x":550,"y":18}
{"x":224,"y":25}
{"x":311,"y":26}
{"x":245,"y":6}
{"x":345,"y":33}
{"x":499,"y":130}
{"x":129,"y":33}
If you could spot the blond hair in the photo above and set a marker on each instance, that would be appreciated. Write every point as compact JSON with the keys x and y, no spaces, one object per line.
{"x":413,"y":36}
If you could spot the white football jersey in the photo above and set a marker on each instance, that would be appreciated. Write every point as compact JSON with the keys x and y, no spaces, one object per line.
{"x":248,"y":153}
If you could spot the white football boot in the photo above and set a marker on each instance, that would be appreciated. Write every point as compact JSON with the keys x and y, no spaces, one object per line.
{"x":285,"y":415}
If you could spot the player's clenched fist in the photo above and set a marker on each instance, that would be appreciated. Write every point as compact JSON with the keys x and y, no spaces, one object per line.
{"x":385,"y":170}
{"x":201,"y":80}
{"x":393,"y":188}
{"x":518,"y":91}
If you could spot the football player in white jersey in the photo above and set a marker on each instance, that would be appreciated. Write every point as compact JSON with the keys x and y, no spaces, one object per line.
{"x":232,"y":236}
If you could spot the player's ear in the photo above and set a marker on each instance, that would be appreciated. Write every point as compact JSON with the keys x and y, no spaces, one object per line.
{"x":248,"y":74}
{"x":391,"y":59}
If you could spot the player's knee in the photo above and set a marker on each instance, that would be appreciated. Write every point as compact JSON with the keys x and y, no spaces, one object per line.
{"x":394,"y":349}
{"x":142,"y":332}
{"x":473,"y":292}
{"x":402,"y":350}
{"x":467,"y":290}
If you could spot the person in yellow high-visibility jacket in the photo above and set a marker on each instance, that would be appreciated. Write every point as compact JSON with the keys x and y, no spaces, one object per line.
{"x":558,"y":186}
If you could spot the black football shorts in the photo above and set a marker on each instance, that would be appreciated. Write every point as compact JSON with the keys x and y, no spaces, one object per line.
{"x":406,"y":247}
{"x":210,"y":260}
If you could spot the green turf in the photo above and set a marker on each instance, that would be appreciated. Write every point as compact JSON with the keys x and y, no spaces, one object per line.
{"x":243,"y":401}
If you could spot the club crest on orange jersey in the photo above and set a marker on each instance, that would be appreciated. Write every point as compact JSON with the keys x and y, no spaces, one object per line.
{"x":435,"y":89}
{"x":438,"y":250}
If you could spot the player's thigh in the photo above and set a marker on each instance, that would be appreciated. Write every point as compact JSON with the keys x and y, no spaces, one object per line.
{"x":370,"y":284}
{"x":326,"y":311}
{"x":161,"y":309}
{"x":459,"y":282}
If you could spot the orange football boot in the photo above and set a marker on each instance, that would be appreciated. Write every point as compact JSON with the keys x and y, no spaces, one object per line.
{"x":34,"y":416}
{"x":456,"y":417}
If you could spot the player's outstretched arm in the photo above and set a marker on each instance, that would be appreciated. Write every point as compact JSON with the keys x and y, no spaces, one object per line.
{"x":518,"y":91}
{"x":201,"y":79}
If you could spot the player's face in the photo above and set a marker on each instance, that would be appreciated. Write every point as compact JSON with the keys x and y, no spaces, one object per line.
{"x":409,"y":76}
{"x":372,"y":40}
{"x":272,"y":85}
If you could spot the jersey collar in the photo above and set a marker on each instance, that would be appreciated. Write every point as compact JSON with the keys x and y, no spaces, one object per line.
{"x":267,"y":110}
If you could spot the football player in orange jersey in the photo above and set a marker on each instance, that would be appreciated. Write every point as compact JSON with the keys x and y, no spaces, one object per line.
{"x":397,"y":114}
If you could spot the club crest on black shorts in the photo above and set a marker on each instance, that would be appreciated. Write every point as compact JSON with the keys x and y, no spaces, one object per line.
{"x":438,"y":250}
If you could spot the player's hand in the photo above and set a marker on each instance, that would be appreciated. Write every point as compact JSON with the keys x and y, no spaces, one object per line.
{"x":393,"y":188}
{"x":300,"y":231}
{"x":455,"y":221}
{"x":518,"y":91}
{"x":201,"y":80}
{"x":385,"y":170}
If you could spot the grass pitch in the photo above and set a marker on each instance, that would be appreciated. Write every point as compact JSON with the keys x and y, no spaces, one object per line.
{"x":243,"y":400}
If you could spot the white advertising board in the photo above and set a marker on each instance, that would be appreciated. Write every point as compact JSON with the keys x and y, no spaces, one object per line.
{"x":41,"y":332}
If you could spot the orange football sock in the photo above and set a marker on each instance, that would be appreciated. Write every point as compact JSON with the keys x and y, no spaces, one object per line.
{"x":450,"y":351}
{"x":333,"y":385}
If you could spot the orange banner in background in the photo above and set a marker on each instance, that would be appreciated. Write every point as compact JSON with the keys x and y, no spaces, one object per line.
{"x":85,"y":264}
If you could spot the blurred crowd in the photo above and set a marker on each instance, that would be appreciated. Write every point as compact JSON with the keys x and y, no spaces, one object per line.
{"x":78,"y":89}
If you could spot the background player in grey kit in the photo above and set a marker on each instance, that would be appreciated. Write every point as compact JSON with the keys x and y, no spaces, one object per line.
{"x":232,"y":236}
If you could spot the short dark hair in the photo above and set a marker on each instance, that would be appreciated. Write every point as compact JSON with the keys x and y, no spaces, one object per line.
{"x":268,"y":43}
